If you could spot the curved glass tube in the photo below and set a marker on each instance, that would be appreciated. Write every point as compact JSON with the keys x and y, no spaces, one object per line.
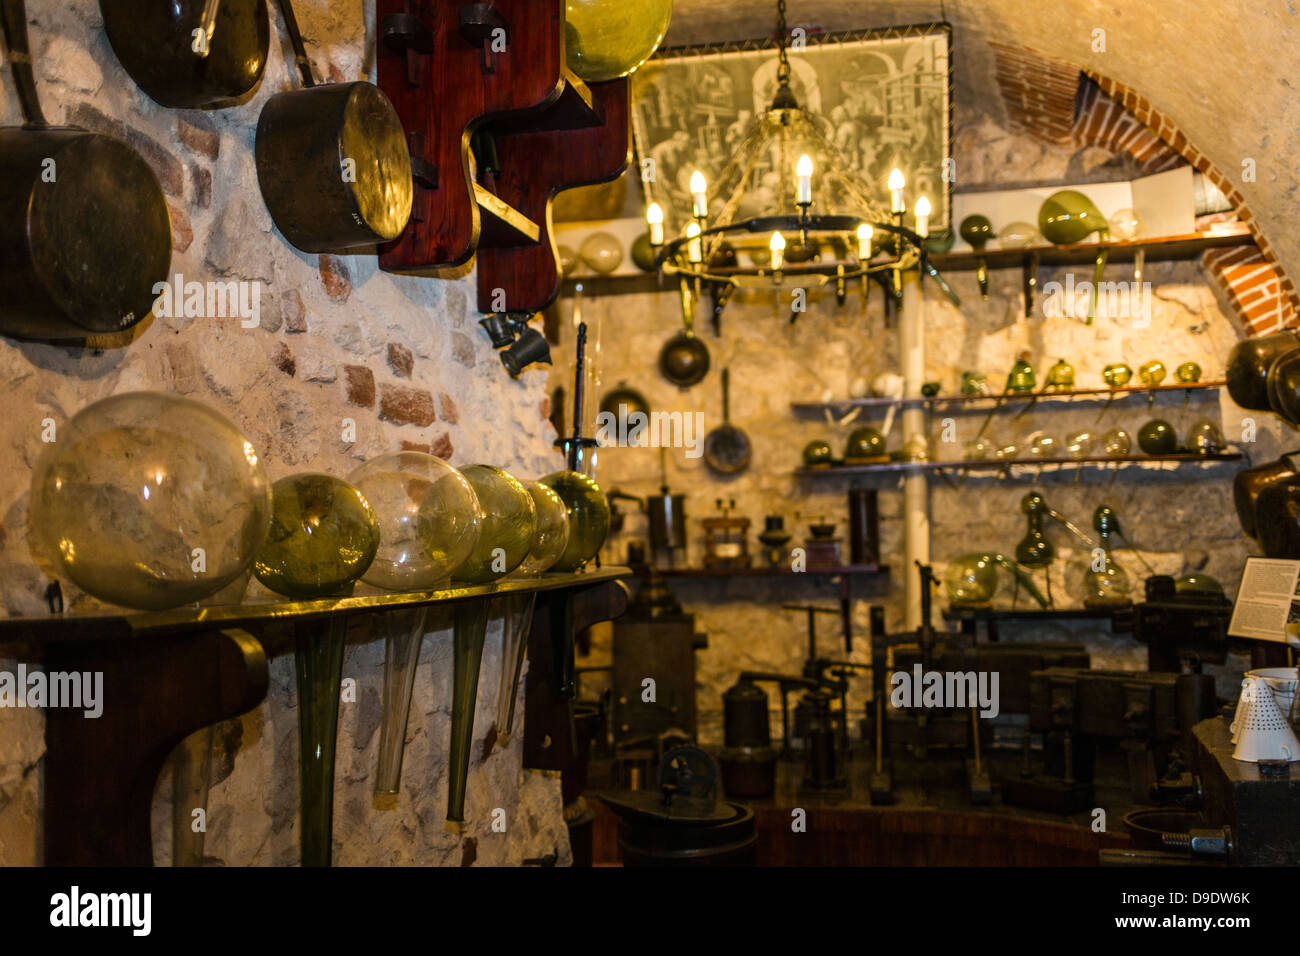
{"x":470,"y":630}
{"x":403,"y":634}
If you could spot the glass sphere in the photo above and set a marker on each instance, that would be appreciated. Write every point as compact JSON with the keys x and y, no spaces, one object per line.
{"x":971,"y":579}
{"x":817,"y":454}
{"x":1117,"y":375}
{"x":978,"y":449}
{"x":1126,"y":224}
{"x":1116,"y":443}
{"x":324,"y":534}
{"x":429,"y":519}
{"x":588,"y":512}
{"x":1019,"y":235}
{"x":552,"y":535}
{"x":1204,"y":438}
{"x":509,"y":523}
{"x":1188,"y":372}
{"x":606,"y":39}
{"x":1157,"y":437}
{"x":150,"y":501}
{"x":1152,"y":373}
{"x":602,"y":252}
{"x":643,"y":254}
{"x":1045,"y":446}
{"x":1079,"y":444}
{"x":1069,"y":216}
{"x":977,"y":231}
{"x":1105,"y":582}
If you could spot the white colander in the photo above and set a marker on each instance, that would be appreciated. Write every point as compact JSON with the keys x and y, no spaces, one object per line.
{"x":1262,"y":731}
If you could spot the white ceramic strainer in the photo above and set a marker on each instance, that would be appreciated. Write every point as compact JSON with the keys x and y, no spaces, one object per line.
{"x":1262,"y":730}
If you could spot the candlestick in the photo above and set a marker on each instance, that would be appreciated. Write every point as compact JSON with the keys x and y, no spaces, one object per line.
{"x":864,"y":241}
{"x":699,"y":195}
{"x":896,"y":184}
{"x":654,"y":217}
{"x":694,"y":250}
{"x":777,"y":246}
{"x":922,"y":217}
{"x":803,"y":170}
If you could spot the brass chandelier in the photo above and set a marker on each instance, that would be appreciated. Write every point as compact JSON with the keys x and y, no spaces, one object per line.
{"x":822,"y":226}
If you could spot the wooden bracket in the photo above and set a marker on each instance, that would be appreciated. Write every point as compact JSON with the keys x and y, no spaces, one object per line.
{"x":100,"y":772}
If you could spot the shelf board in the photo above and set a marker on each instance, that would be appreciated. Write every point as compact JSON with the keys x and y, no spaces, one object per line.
{"x":1162,"y":249}
{"x":501,"y":224}
{"x":1009,"y":402}
{"x":767,"y":572}
{"x":125,"y":624}
{"x":1002,"y":464}
{"x":958,"y":613}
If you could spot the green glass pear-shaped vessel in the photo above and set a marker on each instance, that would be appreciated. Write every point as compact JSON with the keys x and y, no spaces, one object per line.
{"x":150,"y":500}
{"x":1188,"y":372}
{"x":1105,"y":583}
{"x":1021,"y":377}
{"x":324,"y":534}
{"x":588,"y":511}
{"x":1060,"y":375}
{"x":1157,"y":437}
{"x":1068,"y":216}
{"x":972,"y":579}
{"x":1117,"y":375}
{"x":509,"y":522}
{"x":817,"y":454}
{"x":865,"y":445}
{"x":1034,"y":550}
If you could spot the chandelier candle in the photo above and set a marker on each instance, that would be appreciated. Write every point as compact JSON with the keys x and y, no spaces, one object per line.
{"x":699,"y":195}
{"x":923,"y":217}
{"x":804,"y":190}
{"x":896,"y":184}
{"x":777,"y":245}
{"x":694,"y":248}
{"x":864,"y":241}
{"x":654,"y":217}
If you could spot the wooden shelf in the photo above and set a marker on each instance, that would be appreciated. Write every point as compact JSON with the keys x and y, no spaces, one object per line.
{"x":1065,"y":464}
{"x":574,"y":108}
{"x":767,"y":572}
{"x":1008,"y":402}
{"x":1163,"y":249}
{"x":120,"y":625}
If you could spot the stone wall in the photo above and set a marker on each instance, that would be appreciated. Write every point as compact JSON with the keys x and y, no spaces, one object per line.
{"x":400,"y":357}
{"x":1181,"y":519}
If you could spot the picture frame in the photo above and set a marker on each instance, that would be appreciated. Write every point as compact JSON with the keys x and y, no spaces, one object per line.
{"x":886,"y":93}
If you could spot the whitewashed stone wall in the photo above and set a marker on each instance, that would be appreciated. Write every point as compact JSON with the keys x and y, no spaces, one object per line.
{"x":402,"y":357}
{"x":1181,"y":520}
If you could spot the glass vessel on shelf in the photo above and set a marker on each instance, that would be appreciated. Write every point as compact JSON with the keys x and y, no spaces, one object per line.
{"x":1126,"y":224}
{"x":1019,"y":235}
{"x":971,"y":580}
{"x":323,"y":536}
{"x":552,"y":533}
{"x":1060,"y":376}
{"x":1116,"y":443}
{"x":429,"y":519}
{"x":1204,"y":438}
{"x":1157,"y":437}
{"x":1079,"y":444}
{"x":1021,"y":379}
{"x":150,"y":501}
{"x":588,"y":512}
{"x":1105,"y":583}
{"x":1188,"y":372}
{"x":605,"y":39}
{"x":507,"y":527}
{"x":1151,"y":373}
{"x":1117,"y":375}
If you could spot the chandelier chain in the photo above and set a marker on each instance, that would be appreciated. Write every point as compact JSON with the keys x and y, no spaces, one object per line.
{"x":783,"y":64}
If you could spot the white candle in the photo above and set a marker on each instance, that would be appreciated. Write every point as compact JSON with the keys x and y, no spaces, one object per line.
{"x":804,"y":171}
{"x":896,"y":191}
{"x":694,"y":251}
{"x":699,"y":195}
{"x":777,"y":245}
{"x":923,"y":217}
{"x":864,"y":240}
{"x":654,"y":217}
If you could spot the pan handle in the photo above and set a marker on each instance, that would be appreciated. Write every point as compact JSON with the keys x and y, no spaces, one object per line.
{"x":295,"y":40}
{"x":726,"y":396}
{"x":688,"y":309}
{"x":19,"y":55}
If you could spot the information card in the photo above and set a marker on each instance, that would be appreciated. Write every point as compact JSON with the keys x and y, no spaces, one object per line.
{"x":1268,"y":608}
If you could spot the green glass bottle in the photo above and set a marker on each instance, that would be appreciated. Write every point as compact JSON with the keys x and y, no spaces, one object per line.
{"x":1034,"y":550}
{"x":1105,"y":583}
{"x":508,"y":525}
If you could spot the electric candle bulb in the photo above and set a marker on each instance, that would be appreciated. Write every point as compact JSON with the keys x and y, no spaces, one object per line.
{"x":896,"y":191}
{"x":804,"y":171}
{"x":777,"y":245}
{"x":698,"y":194}
{"x":864,"y":240}
{"x":694,"y":252}
{"x":654,"y":217}
{"x":923,"y":217}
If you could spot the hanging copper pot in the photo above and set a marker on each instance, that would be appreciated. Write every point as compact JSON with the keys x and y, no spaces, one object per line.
{"x":1248,"y":484}
{"x":684,"y":359}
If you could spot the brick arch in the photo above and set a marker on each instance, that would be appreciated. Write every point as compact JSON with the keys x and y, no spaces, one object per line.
{"x":1057,"y":102}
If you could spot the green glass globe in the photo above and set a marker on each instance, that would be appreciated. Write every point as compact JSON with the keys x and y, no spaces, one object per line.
{"x":324,"y":534}
{"x":429,"y":519}
{"x":552,"y":534}
{"x":971,"y":579}
{"x":1070,"y":216}
{"x":606,"y":39}
{"x":1157,"y":437}
{"x":865,"y":445}
{"x":643,"y":254}
{"x":816,"y":454}
{"x":588,"y":511}
{"x":150,"y":501}
{"x":977,"y":231}
{"x":509,"y":523}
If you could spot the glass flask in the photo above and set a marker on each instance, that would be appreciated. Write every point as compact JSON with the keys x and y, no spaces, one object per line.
{"x":150,"y":501}
{"x":429,"y":519}
{"x":1034,"y":550}
{"x":588,"y":512}
{"x":1019,"y":235}
{"x":323,"y":536}
{"x":606,"y":39}
{"x":1060,"y":375}
{"x":552,"y":533}
{"x":1117,"y":375}
{"x":1204,"y":438}
{"x":1152,"y":373}
{"x":1079,"y":444}
{"x":1116,"y":443}
{"x":972,"y":579}
{"x":1157,"y":437}
{"x":508,"y":525}
{"x":1105,"y":582}
{"x":1188,"y":372}
{"x":601,"y":252}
